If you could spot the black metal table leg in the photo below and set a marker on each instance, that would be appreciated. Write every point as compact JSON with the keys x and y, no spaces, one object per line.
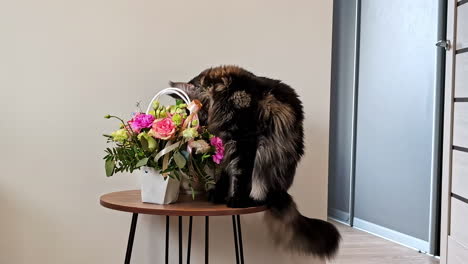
{"x":234,"y":230}
{"x":207,"y":233}
{"x":180,"y":239}
{"x":236,"y":225}
{"x":167,"y":239}
{"x":189,"y":242}
{"x":131,"y":237}
{"x":241,"y":248}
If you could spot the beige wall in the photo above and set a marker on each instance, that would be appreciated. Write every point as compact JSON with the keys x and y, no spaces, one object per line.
{"x":65,"y":64}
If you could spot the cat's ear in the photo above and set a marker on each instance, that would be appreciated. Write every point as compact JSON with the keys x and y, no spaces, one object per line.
{"x":181,"y":85}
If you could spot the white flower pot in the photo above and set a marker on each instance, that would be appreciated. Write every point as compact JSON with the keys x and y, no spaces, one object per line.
{"x":156,"y":189}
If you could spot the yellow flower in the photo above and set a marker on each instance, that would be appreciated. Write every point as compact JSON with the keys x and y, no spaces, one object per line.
{"x":190,"y":133}
{"x":120,"y":135}
{"x":177,"y":119}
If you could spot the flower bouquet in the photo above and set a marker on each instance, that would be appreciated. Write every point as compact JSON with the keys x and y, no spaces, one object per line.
{"x":168,"y":145}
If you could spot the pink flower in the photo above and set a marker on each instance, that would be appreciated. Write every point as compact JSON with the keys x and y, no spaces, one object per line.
{"x":140,"y":121}
{"x":218,"y":144}
{"x":218,"y":157}
{"x":163,"y":128}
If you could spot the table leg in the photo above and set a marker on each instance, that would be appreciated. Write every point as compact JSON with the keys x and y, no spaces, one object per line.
{"x":180,"y":239}
{"x":207,"y":232}
{"x":131,"y":237}
{"x":241,"y":248}
{"x":167,"y":239}
{"x":189,"y":243}
{"x":234,"y":229}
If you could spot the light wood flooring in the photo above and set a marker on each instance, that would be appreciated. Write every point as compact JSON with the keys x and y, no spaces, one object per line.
{"x":359,"y":247}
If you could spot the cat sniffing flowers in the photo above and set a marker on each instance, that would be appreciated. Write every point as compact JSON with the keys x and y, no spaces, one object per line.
{"x":260,"y":121}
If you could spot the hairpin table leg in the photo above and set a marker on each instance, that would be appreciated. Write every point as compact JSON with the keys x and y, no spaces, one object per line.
{"x":189,"y":243}
{"x":241,"y":248}
{"x":131,"y":237}
{"x":207,"y":233}
{"x":167,"y":239}
{"x":234,"y":231}
{"x":180,"y":239}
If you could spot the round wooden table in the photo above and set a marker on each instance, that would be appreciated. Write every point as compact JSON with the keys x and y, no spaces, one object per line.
{"x":130,"y":201}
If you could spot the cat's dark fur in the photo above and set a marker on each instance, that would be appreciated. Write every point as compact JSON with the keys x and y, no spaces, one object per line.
{"x":260,"y":121}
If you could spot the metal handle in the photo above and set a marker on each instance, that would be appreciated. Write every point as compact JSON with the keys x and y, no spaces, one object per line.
{"x":443,"y":44}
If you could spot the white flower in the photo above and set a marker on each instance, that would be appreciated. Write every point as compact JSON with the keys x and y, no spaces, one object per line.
{"x":200,"y":146}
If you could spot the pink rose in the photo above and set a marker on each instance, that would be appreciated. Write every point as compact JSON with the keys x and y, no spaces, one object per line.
{"x":163,"y":128}
{"x":140,"y":121}
{"x":219,"y":154}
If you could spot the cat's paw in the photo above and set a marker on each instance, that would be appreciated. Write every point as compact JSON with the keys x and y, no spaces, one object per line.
{"x":237,"y":202}
{"x":234,"y":202}
{"x":216,"y":197}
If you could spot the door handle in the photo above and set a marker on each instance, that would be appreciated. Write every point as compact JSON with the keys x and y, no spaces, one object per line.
{"x":443,"y":44}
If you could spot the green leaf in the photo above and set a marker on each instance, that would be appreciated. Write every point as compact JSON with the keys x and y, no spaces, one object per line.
{"x":144,"y":143}
{"x":167,"y":170}
{"x":205,"y":156}
{"x":148,"y":143}
{"x":179,"y":101}
{"x":110,"y":165}
{"x":142,"y":162}
{"x":176,"y":174}
{"x":179,"y":160}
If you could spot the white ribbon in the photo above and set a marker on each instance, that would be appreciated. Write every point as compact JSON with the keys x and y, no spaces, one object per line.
{"x":169,"y":147}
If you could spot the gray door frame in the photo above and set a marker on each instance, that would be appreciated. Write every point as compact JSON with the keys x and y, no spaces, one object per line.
{"x":352,"y":182}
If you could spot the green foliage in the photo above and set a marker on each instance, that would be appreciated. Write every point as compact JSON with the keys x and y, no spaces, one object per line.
{"x":179,"y":160}
{"x":148,"y":143}
{"x":142,"y":162}
{"x":124,"y":158}
{"x":179,"y":102}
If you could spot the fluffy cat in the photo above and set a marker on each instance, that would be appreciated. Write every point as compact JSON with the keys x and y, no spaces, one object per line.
{"x":260,"y":121}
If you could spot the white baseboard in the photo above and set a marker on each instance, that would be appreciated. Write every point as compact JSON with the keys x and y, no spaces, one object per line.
{"x":392,"y":235}
{"x":338,"y":215}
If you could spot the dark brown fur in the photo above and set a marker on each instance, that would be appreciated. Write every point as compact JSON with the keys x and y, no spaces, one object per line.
{"x":261,"y":122}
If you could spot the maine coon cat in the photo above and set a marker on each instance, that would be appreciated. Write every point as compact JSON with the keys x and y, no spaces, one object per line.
{"x":260,"y":121}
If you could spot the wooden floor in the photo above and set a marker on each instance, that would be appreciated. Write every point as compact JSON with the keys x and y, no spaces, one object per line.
{"x":359,"y":247}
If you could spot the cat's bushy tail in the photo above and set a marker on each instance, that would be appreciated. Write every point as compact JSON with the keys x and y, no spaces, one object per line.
{"x":298,"y":233}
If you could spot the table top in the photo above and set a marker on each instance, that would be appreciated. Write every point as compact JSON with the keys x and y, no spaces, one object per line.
{"x":130,"y":201}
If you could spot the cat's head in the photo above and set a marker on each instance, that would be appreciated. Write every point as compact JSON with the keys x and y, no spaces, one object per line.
{"x":214,"y":85}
